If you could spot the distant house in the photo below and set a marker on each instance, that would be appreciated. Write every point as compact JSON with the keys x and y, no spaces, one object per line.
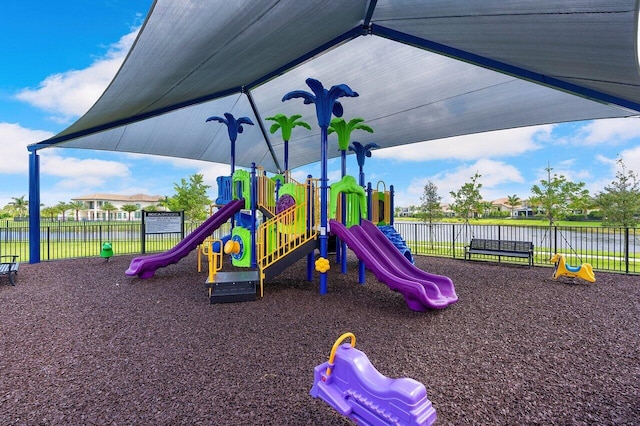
{"x":523,"y":209}
{"x":93,"y":206}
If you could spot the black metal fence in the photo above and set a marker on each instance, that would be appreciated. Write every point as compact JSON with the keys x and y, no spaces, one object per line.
{"x":606,"y":249}
{"x":64,"y":240}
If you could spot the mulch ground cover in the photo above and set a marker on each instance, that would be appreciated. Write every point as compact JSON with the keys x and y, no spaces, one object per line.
{"x":83,"y":344}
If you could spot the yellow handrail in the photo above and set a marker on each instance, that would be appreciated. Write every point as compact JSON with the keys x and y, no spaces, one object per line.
{"x":332,"y":355}
{"x":214,"y":257}
{"x":286,"y":231}
{"x":266,"y":193}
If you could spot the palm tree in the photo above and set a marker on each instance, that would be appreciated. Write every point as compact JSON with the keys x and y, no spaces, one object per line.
{"x":19,"y":204}
{"x":512,"y":202}
{"x":286,"y":124}
{"x":343,"y":129}
{"x":63,"y":207}
{"x":49,"y":212}
{"x":129,"y":208}
{"x":77,"y":206}
{"x":165,"y":203}
{"x":361,"y":153}
{"x":326,"y":102}
{"x":234,"y":126}
{"x":108,"y":207}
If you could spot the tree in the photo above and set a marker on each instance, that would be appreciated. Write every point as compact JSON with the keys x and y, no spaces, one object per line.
{"x":512,"y":202}
{"x":129,"y":208}
{"x":555,"y":195}
{"x":191,"y":196}
{"x":76,"y":206}
{"x":286,"y":124}
{"x":620,"y":201}
{"x":485,"y":207}
{"x":165,"y":203}
{"x":430,"y":208}
{"x":466,"y":201}
{"x":50,"y":212}
{"x":62,"y":207}
{"x":19,"y":205}
{"x":108,"y":207}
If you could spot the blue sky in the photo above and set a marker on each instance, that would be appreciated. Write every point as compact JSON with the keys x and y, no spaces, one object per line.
{"x":58,"y":57}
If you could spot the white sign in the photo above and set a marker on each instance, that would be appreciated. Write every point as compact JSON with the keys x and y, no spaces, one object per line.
{"x":162,"y":222}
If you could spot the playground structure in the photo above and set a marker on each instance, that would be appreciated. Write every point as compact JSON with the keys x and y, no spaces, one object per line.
{"x":276,"y":221}
{"x":583,"y":271}
{"x":275,"y":224}
{"x":350,"y":384}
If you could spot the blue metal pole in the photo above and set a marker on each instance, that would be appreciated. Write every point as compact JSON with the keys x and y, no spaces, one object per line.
{"x":34,"y":207}
{"x":324,"y":189}
{"x":286,"y":155}
{"x":369,"y":201}
{"x":233,"y":157}
{"x":361,"y":267}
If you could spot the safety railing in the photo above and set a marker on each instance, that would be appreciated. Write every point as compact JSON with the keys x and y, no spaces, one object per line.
{"x":292,"y":228}
{"x":266,"y":197}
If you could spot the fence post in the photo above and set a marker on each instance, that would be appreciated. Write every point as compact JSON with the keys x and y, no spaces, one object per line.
{"x":415,"y":235}
{"x":626,"y":249}
{"x":453,"y":239}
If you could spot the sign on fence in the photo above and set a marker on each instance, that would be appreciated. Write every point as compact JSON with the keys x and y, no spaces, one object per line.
{"x":161,"y":223}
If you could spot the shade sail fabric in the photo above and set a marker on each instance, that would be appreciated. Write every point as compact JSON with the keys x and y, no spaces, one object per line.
{"x":424,"y":70}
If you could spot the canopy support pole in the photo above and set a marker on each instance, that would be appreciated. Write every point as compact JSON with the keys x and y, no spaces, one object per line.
{"x":34,"y":207}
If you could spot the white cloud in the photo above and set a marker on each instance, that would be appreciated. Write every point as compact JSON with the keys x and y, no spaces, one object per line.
{"x":504,"y":143}
{"x":493,"y":175}
{"x":13,"y":143}
{"x":612,"y":131}
{"x":70,"y":94}
{"x":73,"y":176}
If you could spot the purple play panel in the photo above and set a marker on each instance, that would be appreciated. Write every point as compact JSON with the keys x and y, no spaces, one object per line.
{"x":146,"y":266}
{"x":357,"y":390}
{"x":420,"y":289}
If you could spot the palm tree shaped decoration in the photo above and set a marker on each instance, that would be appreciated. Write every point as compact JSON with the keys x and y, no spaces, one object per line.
{"x":326,"y":103}
{"x":234,"y":126}
{"x":286,"y":124}
{"x":361,"y":153}
{"x":343,"y":130}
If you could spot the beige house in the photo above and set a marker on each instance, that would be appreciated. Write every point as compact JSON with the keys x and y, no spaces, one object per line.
{"x":93,"y":206}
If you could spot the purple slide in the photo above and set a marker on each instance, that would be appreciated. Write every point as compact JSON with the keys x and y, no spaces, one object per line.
{"x":420,"y":289}
{"x":404,"y":266}
{"x":145,"y":266}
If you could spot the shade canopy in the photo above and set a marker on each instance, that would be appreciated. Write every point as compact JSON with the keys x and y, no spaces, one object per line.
{"x":424,"y":70}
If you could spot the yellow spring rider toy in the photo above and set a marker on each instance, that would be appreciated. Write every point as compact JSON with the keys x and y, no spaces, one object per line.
{"x":584,"y":271}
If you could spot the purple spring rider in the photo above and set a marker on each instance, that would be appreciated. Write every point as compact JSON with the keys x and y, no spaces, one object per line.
{"x":350,"y":384}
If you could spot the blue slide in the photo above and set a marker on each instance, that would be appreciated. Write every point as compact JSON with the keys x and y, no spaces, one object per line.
{"x":421,"y":290}
{"x":145,"y":266}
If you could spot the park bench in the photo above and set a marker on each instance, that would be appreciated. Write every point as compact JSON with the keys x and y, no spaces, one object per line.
{"x":9,"y":266}
{"x":500,"y":248}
